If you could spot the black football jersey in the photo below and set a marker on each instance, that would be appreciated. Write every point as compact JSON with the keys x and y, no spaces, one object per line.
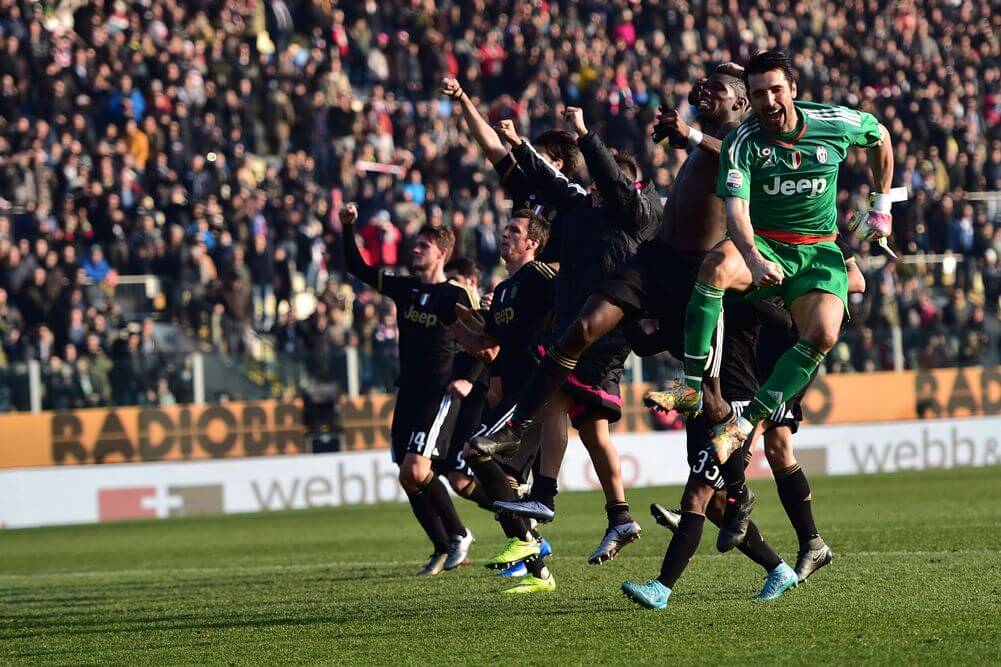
{"x":520,"y":315}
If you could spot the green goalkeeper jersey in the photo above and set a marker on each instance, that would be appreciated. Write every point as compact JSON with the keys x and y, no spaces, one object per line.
{"x":791,"y":180}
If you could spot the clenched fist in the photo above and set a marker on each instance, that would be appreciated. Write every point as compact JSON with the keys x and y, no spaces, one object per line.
{"x":574,"y":117}
{"x":450,"y":88}
{"x":349,"y":214}
{"x":505,"y":130}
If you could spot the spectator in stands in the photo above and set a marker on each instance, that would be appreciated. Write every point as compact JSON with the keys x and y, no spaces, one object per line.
{"x":171,"y":136}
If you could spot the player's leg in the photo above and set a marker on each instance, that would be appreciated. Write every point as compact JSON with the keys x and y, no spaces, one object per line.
{"x":460,"y":477}
{"x":722,"y":269}
{"x":599,"y":316}
{"x":794,"y":492}
{"x":655,"y":593}
{"x":818,"y":315}
{"x":540,"y":504}
{"x":406,"y":417}
{"x":437,"y":421}
{"x":621,"y":529}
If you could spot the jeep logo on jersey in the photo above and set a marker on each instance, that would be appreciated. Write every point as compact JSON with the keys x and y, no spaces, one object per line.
{"x":420,"y":317}
{"x":504,"y":316}
{"x":813,"y":186}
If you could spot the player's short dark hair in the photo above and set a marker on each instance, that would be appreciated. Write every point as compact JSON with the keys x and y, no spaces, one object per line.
{"x":463,"y":266}
{"x":560,"y":145}
{"x":440,"y":236}
{"x":627,"y":163}
{"x":766,"y":61}
{"x":735,"y":77}
{"x":538,"y":228}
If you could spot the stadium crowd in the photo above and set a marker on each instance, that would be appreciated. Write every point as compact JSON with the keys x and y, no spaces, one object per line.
{"x":210,"y":143}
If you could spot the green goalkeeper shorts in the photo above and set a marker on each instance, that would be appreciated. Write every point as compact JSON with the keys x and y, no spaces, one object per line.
{"x":806,"y":267}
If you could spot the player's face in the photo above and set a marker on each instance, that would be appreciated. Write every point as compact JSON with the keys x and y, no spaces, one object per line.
{"x":771,"y":96}
{"x":426,"y":254}
{"x":713,"y":98}
{"x":514,"y":240}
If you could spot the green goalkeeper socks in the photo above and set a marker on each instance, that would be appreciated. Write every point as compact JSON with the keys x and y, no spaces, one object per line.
{"x":701,"y":318}
{"x":792,"y":372}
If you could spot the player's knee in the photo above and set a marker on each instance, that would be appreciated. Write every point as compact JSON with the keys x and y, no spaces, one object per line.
{"x":823,"y":338}
{"x":583,"y":331}
{"x":411,"y":478}
{"x":718,"y":269}
{"x":696,"y":497}
{"x":776,"y":451}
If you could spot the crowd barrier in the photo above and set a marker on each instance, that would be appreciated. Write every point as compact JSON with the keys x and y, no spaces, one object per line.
{"x":89,"y":494}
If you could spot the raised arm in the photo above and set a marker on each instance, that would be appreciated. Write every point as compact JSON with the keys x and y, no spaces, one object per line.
{"x":352,"y":256}
{"x":551,"y":185}
{"x":484,"y":135}
{"x":634,"y":212}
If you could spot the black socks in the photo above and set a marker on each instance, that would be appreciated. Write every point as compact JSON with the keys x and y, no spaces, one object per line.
{"x":794,"y":492}
{"x":683,"y":545}
{"x":437,"y":495}
{"x":755,"y":548}
{"x":544,"y":491}
{"x":618,"y":513}
{"x":429,"y":520}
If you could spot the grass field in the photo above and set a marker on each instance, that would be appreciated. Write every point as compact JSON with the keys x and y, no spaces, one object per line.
{"x":917,"y":579}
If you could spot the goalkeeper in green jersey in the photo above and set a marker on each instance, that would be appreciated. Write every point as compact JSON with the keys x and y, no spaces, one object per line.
{"x":778,"y":176}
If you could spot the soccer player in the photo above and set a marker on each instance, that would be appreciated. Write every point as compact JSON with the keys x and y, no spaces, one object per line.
{"x":739,"y":381}
{"x":426,"y":409}
{"x":778,"y":175}
{"x":703,"y":497}
{"x":521,"y":312}
{"x":601,"y":230}
{"x":555,"y":156}
{"x":657,"y":282}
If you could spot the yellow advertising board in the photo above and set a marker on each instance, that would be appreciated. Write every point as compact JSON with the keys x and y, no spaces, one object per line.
{"x":118,"y":435}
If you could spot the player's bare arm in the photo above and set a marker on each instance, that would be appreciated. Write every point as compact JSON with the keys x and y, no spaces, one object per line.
{"x":738,"y":224}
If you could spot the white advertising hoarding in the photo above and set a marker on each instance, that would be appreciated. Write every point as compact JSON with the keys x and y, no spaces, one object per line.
{"x":88,"y":494}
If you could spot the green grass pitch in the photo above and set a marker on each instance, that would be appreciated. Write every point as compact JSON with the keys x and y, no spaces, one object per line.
{"x":917,"y":580}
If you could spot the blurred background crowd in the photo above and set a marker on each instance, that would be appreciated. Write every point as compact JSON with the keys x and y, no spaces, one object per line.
{"x":210,"y":144}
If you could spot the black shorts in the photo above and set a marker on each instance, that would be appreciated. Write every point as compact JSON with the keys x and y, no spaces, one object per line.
{"x":657,"y":283}
{"x":423,"y":422}
{"x":522,"y":464}
{"x":701,"y":459}
{"x":594,"y":385}
{"x":470,"y":414}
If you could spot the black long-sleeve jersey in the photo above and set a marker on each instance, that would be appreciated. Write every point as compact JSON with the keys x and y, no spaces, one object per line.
{"x":598,"y":232}
{"x":424,"y":313}
{"x":520,"y":315}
